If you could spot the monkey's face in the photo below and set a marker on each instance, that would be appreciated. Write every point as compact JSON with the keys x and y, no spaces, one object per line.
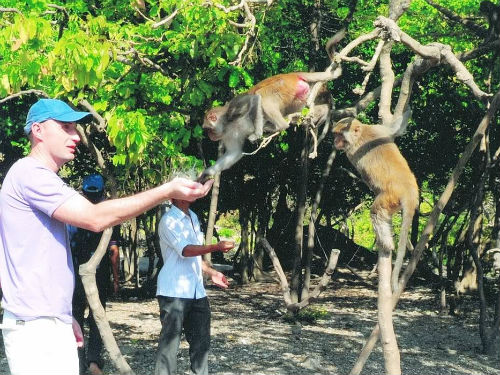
{"x":346,"y":134}
{"x":340,"y":134}
{"x":339,"y":140}
{"x":213,"y":124}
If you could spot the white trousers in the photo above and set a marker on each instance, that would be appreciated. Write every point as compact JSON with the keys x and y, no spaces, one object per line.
{"x":40,"y":346}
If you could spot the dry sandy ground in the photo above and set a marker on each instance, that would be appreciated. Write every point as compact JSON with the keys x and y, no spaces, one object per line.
{"x":250,"y":334}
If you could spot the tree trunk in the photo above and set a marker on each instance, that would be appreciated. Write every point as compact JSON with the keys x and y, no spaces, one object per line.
{"x":244,"y":251}
{"x":212,"y":214}
{"x":387,"y":335}
{"x":296,"y":279}
{"x":495,"y":232}
{"x":473,"y":240}
{"x":87,"y":273}
{"x":312,"y":224}
{"x":87,"y":270}
{"x":130,"y":251}
{"x":150,"y":234}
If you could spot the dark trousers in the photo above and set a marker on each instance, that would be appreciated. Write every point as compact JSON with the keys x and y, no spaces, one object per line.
{"x":192,"y":315}
{"x":91,"y":352}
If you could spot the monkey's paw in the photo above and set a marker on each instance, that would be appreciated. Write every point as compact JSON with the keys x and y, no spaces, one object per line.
{"x":204,"y":177}
{"x":254,"y":137}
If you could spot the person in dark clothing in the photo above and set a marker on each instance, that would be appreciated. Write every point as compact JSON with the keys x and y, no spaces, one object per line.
{"x":83,"y":245}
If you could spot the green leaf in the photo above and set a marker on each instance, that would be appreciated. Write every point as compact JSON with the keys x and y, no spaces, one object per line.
{"x":234,"y":79}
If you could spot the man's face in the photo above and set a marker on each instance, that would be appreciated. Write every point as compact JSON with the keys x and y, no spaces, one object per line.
{"x":60,"y":139}
{"x":181,"y":204}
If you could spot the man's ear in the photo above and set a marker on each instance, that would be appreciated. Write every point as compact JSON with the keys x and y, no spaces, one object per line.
{"x":36,"y":129}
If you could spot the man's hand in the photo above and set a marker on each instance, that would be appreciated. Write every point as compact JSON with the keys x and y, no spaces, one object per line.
{"x":77,"y":331}
{"x":225,"y":246}
{"x":219,"y":279}
{"x":187,"y":190}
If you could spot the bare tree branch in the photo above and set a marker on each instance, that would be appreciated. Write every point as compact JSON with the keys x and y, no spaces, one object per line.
{"x":436,"y":51}
{"x":397,"y":8}
{"x":25,"y":92}
{"x":166,"y":21}
{"x":65,"y":20}
{"x":325,"y":279}
{"x":102,"y":123}
{"x":249,"y":35}
{"x":420,"y":66}
{"x":281,"y":274}
{"x":230,"y":9}
{"x":387,"y":76}
{"x":479,"y":30}
{"x":11,"y":10}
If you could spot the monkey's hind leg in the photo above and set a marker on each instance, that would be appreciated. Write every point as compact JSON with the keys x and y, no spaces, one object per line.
{"x":274,"y":117}
{"x":258,"y":119}
{"x":382,"y":225}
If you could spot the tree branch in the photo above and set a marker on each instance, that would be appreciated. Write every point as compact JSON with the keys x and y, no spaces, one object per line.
{"x":25,"y":92}
{"x":436,"y":52}
{"x":166,"y":21}
{"x":479,"y":30}
{"x":325,"y":279}
{"x":11,"y":10}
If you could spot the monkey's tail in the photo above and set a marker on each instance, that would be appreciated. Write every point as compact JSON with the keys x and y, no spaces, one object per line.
{"x":331,"y":45}
{"x":408,"y":213}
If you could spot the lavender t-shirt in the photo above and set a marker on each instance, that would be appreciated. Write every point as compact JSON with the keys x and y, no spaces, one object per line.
{"x":36,"y":271}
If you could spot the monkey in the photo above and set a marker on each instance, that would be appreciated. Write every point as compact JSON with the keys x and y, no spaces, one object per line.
{"x":284,"y":94}
{"x":492,"y":13}
{"x":278,"y":96}
{"x":372,"y":151}
{"x":241,"y":115}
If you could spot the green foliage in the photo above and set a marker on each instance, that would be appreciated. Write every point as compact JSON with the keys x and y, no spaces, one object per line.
{"x":228,"y":224}
{"x":226,"y":232}
{"x":103,"y":51}
{"x":309,"y":314}
{"x":153,"y":83}
{"x":360,"y":224}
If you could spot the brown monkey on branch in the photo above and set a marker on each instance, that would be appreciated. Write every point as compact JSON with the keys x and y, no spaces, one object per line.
{"x":261,"y":109}
{"x":371,"y":149}
{"x":280,"y":96}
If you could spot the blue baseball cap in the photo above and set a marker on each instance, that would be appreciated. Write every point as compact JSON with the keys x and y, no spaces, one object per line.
{"x":53,"y":109}
{"x":93,"y":183}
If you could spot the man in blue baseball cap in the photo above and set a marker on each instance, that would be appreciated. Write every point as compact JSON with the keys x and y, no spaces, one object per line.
{"x":40,"y":334}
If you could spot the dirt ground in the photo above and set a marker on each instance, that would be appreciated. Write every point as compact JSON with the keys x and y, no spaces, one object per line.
{"x":252,"y":335}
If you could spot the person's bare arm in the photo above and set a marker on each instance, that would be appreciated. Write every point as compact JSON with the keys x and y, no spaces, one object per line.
{"x":218,"y":278}
{"x":80,"y":212}
{"x":195,"y":250}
